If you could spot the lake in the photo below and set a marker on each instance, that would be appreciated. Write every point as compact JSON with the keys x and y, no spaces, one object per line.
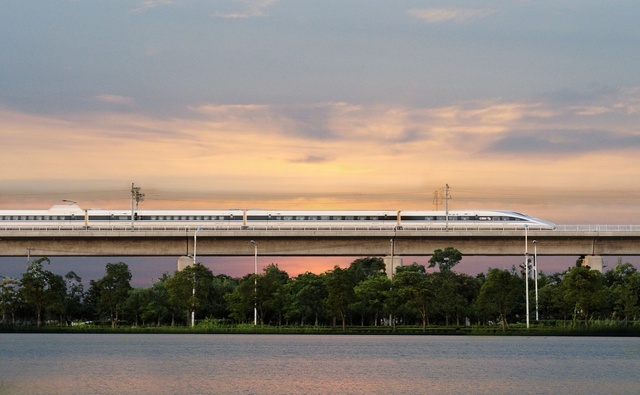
{"x":315,"y":364}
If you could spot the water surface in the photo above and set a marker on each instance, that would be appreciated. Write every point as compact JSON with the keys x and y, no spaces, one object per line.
{"x":315,"y":364}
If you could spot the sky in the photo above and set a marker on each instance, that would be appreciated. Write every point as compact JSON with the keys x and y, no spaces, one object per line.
{"x":531,"y":106}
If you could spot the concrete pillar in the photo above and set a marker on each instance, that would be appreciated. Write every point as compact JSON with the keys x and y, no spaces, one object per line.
{"x":184,"y":261}
{"x":595,"y":262}
{"x":392,"y":266}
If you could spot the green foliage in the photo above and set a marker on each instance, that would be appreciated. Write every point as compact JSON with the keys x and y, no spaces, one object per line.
{"x":113,"y":290}
{"x":371,"y":296}
{"x":499,"y":295}
{"x":585,"y":288}
{"x":361,"y":297}
{"x":42,"y":289}
{"x":9,"y":298}
{"x":412,"y":291}
{"x":445,"y":259}
{"x":340,"y":288}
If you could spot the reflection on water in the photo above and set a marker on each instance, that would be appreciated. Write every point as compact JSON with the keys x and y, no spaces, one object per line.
{"x":315,"y":364}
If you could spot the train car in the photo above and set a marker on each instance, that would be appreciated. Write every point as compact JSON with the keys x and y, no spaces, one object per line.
{"x":471,"y":218}
{"x":58,"y":215}
{"x":73,"y":216}
{"x":167,"y":218}
{"x":321,"y":218}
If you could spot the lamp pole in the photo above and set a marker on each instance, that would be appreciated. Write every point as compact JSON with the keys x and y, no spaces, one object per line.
{"x":255,"y":282}
{"x":195,"y":243}
{"x":526,"y":271}
{"x":535,"y":272}
{"x":392,"y":251}
{"x":193,"y":290}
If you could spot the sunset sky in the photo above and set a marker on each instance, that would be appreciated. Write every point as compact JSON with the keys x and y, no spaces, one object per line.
{"x":532,"y":106}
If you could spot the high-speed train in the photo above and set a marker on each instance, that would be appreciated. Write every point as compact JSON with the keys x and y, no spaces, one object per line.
{"x":74,"y":216}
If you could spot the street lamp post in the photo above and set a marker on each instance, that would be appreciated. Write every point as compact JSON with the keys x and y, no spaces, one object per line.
{"x":193,"y":290}
{"x":195,"y":243}
{"x":526,"y":271}
{"x":535,"y":272}
{"x":255,"y":282}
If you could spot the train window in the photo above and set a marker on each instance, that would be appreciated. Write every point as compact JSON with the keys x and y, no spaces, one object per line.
{"x":349,"y":218}
{"x":312,"y":218}
{"x":337,"y":218}
{"x":287,"y":218}
{"x":300,"y":218}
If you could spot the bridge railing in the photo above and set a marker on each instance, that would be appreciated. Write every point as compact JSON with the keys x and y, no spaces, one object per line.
{"x":336,"y":228}
{"x":598,"y":228}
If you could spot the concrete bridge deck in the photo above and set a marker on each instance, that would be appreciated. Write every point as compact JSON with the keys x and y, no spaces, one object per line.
{"x":575,"y":240}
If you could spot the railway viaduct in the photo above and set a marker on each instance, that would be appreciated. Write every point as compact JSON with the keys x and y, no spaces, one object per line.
{"x":590,"y":241}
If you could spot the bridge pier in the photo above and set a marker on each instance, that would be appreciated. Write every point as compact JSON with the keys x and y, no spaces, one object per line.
{"x":392,"y":264}
{"x":183,"y":262}
{"x":595,"y":262}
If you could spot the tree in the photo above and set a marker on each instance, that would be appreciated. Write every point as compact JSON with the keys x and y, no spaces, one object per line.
{"x":189,"y":289}
{"x":35,"y":286}
{"x":56,"y":295}
{"x":499,"y":294}
{"x":468,"y":288}
{"x":371,"y":295}
{"x":364,"y":268}
{"x":159,"y":307}
{"x":624,"y":282}
{"x":552,"y":303}
{"x":241,"y":301}
{"x":74,"y":296}
{"x":9,"y":298}
{"x":445,"y":259}
{"x":585,"y":289}
{"x":270,"y":300}
{"x":411,"y":287}
{"x":340,"y":284}
{"x":221,"y":285}
{"x":309,"y":292}
{"x":135,"y":304}
{"x":114,"y":289}
{"x":446,"y":297}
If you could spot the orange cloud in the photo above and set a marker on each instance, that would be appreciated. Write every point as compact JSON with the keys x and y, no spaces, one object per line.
{"x":327,"y":155}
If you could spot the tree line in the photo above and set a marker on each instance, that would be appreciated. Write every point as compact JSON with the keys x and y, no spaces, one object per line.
{"x":361,"y":295}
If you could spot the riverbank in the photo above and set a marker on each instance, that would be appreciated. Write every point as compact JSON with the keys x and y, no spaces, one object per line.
{"x":513,"y":330}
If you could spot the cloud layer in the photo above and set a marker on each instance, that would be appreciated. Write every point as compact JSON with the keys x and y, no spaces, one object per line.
{"x":532,"y":106}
